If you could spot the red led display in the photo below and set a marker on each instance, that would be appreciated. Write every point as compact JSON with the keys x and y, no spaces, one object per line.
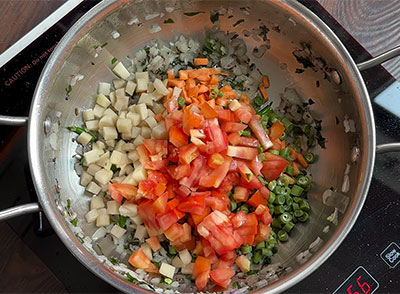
{"x":359,"y":282}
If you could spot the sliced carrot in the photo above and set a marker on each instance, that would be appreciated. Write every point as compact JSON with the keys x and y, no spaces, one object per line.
{"x":199,"y":72}
{"x":296,"y":169}
{"x":230,"y":95}
{"x":203,"y":89}
{"x":171,"y":74}
{"x":190,"y":83}
{"x":257,"y":199}
{"x":221,"y":101}
{"x":263,"y":92}
{"x":183,"y":75}
{"x":201,"y":98}
{"x":159,"y":117}
{"x":300,"y":159}
{"x":200,"y":61}
{"x":265,"y":81}
{"x":176,"y":83}
{"x":226,"y":88}
{"x":292,"y":154}
{"x":214,"y":79}
{"x":193,"y":92}
{"x":207,"y":110}
{"x":204,"y":78}
{"x":211,"y":103}
{"x":244,"y":98}
{"x":216,"y":71}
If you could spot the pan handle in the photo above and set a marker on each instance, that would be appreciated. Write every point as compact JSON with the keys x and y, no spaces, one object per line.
{"x":379,"y":59}
{"x":384,"y":148}
{"x":6,"y":120}
{"x":19,"y":210}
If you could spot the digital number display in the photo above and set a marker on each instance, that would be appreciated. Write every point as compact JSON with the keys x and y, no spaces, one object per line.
{"x":359,"y":282}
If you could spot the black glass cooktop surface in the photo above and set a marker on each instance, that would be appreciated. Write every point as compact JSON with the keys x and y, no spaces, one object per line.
{"x":366,"y":262}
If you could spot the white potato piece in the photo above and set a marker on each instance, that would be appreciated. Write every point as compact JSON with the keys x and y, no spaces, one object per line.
{"x":92,"y":125}
{"x":176,"y":92}
{"x":130,"y":88}
{"x":101,"y":211}
{"x":159,"y":131}
{"x":109,"y":133}
{"x":121,"y":71}
{"x":119,"y":83}
{"x":103,"y":159}
{"x":112,"y":97}
{"x":158,"y":108}
{"x":88,"y":114}
{"x":151,"y":122}
{"x":130,"y":180}
{"x":91,"y":216}
{"x":102,"y":220}
{"x":112,"y":114}
{"x":91,"y":157}
{"x":106,"y":121}
{"x":97,"y":202}
{"x":147,"y":99}
{"x":159,"y":86}
{"x":134,"y":117}
{"x":185,"y":256}
{"x":121,"y":103}
{"x":98,"y":111}
{"x":147,"y":250}
{"x":112,"y":207}
{"x":234,"y":105}
{"x":141,"y":109}
{"x":188,"y":269}
{"x":133,"y":156}
{"x":137,"y":220}
{"x":93,"y":168}
{"x":139,"y":174}
{"x":140,"y":233}
{"x":146,"y":132}
{"x":84,"y":138}
{"x":110,"y":143}
{"x":167,"y":270}
{"x":104,"y":88}
{"x":117,"y":231}
{"x":138,"y":140}
{"x":128,"y":209}
{"x":141,"y":85}
{"x":177,"y":262}
{"x":85,"y":179}
{"x":93,"y":188}
{"x":136,"y":131}
{"x":103,"y":176}
{"x":124,"y":125}
{"x":128,"y":147}
{"x":100,"y":145}
{"x":120,"y":145}
{"x":118,"y":158}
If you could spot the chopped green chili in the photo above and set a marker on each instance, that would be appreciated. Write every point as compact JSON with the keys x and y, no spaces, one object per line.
{"x":284,"y":218}
{"x":283,"y":236}
{"x":310,"y":157}
{"x":288,"y":227}
{"x":296,"y":190}
{"x":260,"y":245}
{"x":246,"y":249}
{"x":181,"y":101}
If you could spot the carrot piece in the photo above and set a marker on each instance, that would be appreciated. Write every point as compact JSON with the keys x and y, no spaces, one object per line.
{"x":244,"y":98}
{"x":265,"y":81}
{"x":201,"y":98}
{"x":183,"y":75}
{"x":211,"y":103}
{"x":195,"y":101}
{"x":215,"y":71}
{"x":176,"y":83}
{"x":200,"y":61}
{"x":171,"y":74}
{"x":190,"y":83}
{"x":203,"y":89}
{"x":159,"y":117}
{"x":193,"y":92}
{"x":226,"y":88}
{"x":214,"y":79}
{"x":204,"y":78}
{"x":263,"y":92}
{"x":257,"y":199}
{"x":207,"y":110}
{"x":300,"y":159}
{"x":202,"y":264}
{"x":230,"y":95}
{"x":199,"y":72}
{"x":291,"y":180}
{"x":292,"y":154}
{"x":223,"y":102}
{"x":296,"y":169}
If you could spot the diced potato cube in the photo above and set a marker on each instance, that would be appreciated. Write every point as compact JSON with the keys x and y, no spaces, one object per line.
{"x":159,"y":131}
{"x":112,"y":97}
{"x":147,"y":250}
{"x":103,"y":159}
{"x":119,"y":146}
{"x":126,"y":136}
{"x":140,"y":233}
{"x":100,"y":144}
{"x":185,"y":256}
{"x":103,"y":176}
{"x":130,"y":88}
{"x":134,"y":117}
{"x":128,"y":147}
{"x":117,"y":158}
{"x":124,"y":125}
{"x":130,"y":180}
{"x":93,"y":168}
{"x":150,"y":87}
{"x":102,"y":220}
{"x":141,"y":85}
{"x":97,"y":202}
{"x":88,"y":115}
{"x":120,"y":70}
{"x":84,"y":138}
{"x":137,"y":220}
{"x":188,"y":269}
{"x":146,"y":132}
{"x":156,"y":96}
{"x":102,"y":210}
{"x":92,"y":125}
{"x":177,"y":92}
{"x":158,"y":108}
{"x":119,"y":83}
{"x":150,"y":113}
{"x":121,"y":103}
{"x":167,"y":270}
{"x":93,"y":188}
{"x":137,"y":164}
{"x":177,"y":262}
{"x":142,"y":75}
{"x":136,"y":131}
{"x":128,"y":209}
{"x":126,"y":170}
{"x":110,"y":143}
{"x":139,"y":174}
{"x":138,"y":140}
{"x":151,"y":122}
{"x":104,"y":88}
{"x":98,"y":111}
{"x":119,"y":93}
{"x":91,"y":157}
{"x":85,"y":179}
{"x":112,"y":207}
{"x":117,"y":231}
{"x":106,"y":121}
{"x":112,"y":114}
{"x":234,"y":105}
{"x":133,"y":156}
{"x":91,"y":216}
{"x":158,"y":84}
{"x":109,"y":133}
{"x":146,"y":99}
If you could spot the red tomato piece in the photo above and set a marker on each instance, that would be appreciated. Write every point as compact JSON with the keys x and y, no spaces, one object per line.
{"x":119,"y":191}
{"x":174,"y":232}
{"x":264,"y":192}
{"x":202,"y":280}
{"x":249,"y":142}
{"x":216,"y":136}
{"x":243,"y":115}
{"x":193,"y":205}
{"x":260,"y":133}
{"x":201,"y":265}
{"x":171,"y":105}
{"x":156,"y":165}
{"x":144,"y":155}
{"x":169,"y":122}
{"x":154,"y":243}
{"x":276,"y":131}
{"x":263,"y":233}
{"x":225,"y":114}
{"x":229,"y":126}
{"x":147,"y":187}
{"x":216,"y":203}
{"x":215,"y":178}
{"x":253,"y":184}
{"x":256,"y":166}
{"x":222,"y":276}
{"x":241,"y":194}
{"x":242,"y":152}
{"x":256,"y":199}
{"x":215,"y":160}
{"x":234,"y":138}
{"x":239,"y":219}
{"x":207,"y":110}
{"x":245,"y":171}
{"x":167,"y":219}
{"x":139,"y":260}
{"x":273,"y":169}
{"x":181,"y":171}
{"x":156,"y":146}
{"x":191,"y":120}
{"x":151,"y":268}
{"x":177,"y":137}
{"x":188,"y":153}
{"x":160,"y":204}
{"x":198,"y":218}
{"x":157,"y":177}
{"x":192,"y":180}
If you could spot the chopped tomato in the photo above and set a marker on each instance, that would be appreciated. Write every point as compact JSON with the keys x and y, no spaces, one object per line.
{"x":232,"y":126}
{"x":202,"y":280}
{"x":180,"y":171}
{"x":245,"y":171}
{"x":193,"y":205}
{"x":167,"y":219}
{"x":154,"y":243}
{"x":207,"y":110}
{"x":119,"y":191}
{"x":160,"y":204}
{"x":256,"y":167}
{"x":272,"y":169}
{"x":139,"y":260}
{"x":156,"y":146}
{"x":215,"y":160}
{"x":234,"y":138}
{"x":222,"y":276}
{"x":177,"y":137}
{"x":243,"y":115}
{"x":242,"y":152}
{"x":174,"y":232}
{"x":156,"y":165}
{"x":201,"y":265}
{"x":263,"y":233}
{"x":249,"y":142}
{"x":260,"y":133}
{"x":256,"y":199}
{"x":215,"y":178}
{"x":198,"y":218}
{"x":239,"y":219}
{"x":218,"y":139}
{"x":188,"y":153}
{"x":192,"y":180}
{"x":241,"y":194}
{"x":276,"y":130}
{"x":225,"y":114}
{"x":216,"y":203}
{"x":253,"y":184}
{"x":144,"y":155}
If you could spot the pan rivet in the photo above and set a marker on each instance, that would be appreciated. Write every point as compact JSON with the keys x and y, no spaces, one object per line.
{"x":355,"y":154}
{"x":47,"y":125}
{"x":336,"y":77}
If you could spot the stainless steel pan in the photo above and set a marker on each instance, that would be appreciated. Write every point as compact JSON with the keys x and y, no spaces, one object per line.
{"x":51,"y":149}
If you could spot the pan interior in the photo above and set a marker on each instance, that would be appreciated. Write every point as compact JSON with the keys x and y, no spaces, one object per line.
{"x":52,"y":154}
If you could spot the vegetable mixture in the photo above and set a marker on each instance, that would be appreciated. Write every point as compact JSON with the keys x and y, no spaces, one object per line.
{"x":193,"y":167}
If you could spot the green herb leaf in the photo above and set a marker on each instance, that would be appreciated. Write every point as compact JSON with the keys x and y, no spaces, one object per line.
{"x":113,"y":260}
{"x":68,"y":89}
{"x":169,"y":20}
{"x":104,"y":45}
{"x":74,"y":222}
{"x":238,"y":22}
{"x":122,"y":221}
{"x":114,"y":60}
{"x":114,"y":168}
{"x":68,"y":203}
{"x":193,"y":13}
